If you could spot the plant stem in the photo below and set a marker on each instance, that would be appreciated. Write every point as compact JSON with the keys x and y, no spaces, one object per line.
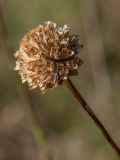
{"x":93,"y":116}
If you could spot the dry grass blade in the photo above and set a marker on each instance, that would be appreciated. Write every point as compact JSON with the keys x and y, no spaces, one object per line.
{"x":24,"y":94}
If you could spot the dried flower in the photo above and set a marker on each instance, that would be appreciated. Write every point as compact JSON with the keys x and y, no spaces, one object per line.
{"x":47,"y":56}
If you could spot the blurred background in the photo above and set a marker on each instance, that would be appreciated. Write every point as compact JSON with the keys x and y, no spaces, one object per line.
{"x":53,"y":126}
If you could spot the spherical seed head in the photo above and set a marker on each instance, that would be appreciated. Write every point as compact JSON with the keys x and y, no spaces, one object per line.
{"x":47,"y":56}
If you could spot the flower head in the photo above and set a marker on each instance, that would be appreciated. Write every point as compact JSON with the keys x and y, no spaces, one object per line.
{"x":47,"y":56}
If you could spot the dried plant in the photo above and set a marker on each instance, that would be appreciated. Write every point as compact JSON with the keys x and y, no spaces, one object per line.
{"x":48,"y":55}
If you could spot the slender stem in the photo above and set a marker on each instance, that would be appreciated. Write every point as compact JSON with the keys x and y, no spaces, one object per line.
{"x":92,"y":115}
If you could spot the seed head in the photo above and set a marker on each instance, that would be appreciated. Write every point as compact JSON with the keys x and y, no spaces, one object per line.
{"x":47,"y":56}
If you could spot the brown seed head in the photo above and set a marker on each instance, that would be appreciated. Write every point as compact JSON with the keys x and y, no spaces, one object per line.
{"x":47,"y":56}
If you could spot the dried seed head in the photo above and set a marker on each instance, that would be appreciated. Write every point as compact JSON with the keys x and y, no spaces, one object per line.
{"x":47,"y":56}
